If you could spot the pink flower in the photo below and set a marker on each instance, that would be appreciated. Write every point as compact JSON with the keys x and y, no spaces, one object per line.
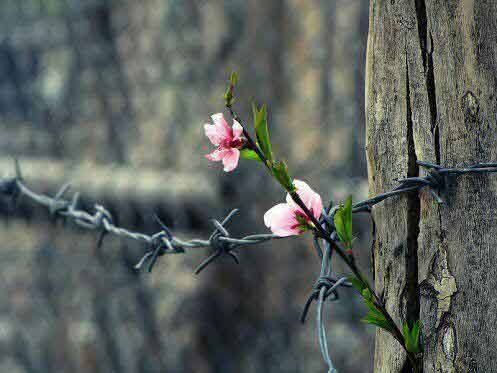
{"x":228,"y":140}
{"x":287,"y":219}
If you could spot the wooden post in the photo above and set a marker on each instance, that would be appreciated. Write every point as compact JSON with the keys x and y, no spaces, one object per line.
{"x":431,"y":77}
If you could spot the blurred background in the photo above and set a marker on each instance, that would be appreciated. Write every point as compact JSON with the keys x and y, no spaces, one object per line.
{"x":111,"y":95}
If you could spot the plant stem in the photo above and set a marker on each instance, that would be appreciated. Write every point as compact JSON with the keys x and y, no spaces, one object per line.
{"x":322,"y":233}
{"x":251,"y":144}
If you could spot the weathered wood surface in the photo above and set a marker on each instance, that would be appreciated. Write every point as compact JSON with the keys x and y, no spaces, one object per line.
{"x":431,"y":80}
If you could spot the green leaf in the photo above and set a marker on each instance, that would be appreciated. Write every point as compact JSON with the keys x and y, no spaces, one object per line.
{"x":262,"y":132}
{"x":366,"y":293}
{"x":405,"y":331}
{"x":280,"y":172}
{"x":377,"y":320}
{"x":415,"y":333}
{"x":229,"y":97}
{"x":347,"y":211}
{"x":411,"y":337}
{"x":358,"y":285}
{"x":374,"y":316}
{"x":343,"y":223}
{"x":249,"y":154}
{"x":234,"y":78}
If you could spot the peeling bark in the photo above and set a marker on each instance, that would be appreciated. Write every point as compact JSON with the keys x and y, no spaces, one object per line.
{"x":431,"y":73}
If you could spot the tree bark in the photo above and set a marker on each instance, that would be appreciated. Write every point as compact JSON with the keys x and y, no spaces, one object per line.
{"x":431,"y":77}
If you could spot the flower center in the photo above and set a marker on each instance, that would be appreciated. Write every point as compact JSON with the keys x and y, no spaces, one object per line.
{"x":238,"y":143}
{"x":303,"y":221}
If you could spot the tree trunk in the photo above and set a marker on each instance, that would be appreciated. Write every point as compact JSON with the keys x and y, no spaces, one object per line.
{"x":431,"y":80}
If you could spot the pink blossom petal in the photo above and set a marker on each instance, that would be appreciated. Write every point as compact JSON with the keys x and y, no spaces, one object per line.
{"x":237,"y":130}
{"x":230,"y":159}
{"x":222,"y":125}
{"x":281,"y":220}
{"x":311,"y":199}
{"x":215,"y":135}
{"x":317,"y":207}
{"x":216,"y":156}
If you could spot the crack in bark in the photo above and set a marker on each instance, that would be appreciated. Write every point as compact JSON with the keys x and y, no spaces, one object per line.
{"x":427,"y":56}
{"x":413,"y":218}
{"x":432,"y":99}
{"x":422,"y":28}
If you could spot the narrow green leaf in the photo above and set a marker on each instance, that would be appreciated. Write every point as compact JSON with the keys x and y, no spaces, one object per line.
{"x":234,"y":78}
{"x":280,"y":172}
{"x":343,"y":223}
{"x":229,"y":97}
{"x":415,"y":333}
{"x":339,"y":225}
{"x":411,"y":337}
{"x":262,"y":132}
{"x":347,"y":214}
{"x":366,"y":294}
{"x":373,"y":309}
{"x":379,"y":321}
{"x":356,"y":284}
{"x":405,"y":332}
{"x":374,"y":316}
{"x":249,"y":154}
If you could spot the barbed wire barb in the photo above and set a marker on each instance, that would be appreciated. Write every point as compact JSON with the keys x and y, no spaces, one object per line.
{"x":221,"y":247}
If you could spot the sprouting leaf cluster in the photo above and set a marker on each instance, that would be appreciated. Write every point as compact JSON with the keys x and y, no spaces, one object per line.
{"x":411,"y":337}
{"x":374,"y":315}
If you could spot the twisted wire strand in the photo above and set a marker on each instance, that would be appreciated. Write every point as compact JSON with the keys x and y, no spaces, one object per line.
{"x":158,"y":244}
{"x":434,"y":181}
{"x":325,"y":289}
{"x":321,"y":329}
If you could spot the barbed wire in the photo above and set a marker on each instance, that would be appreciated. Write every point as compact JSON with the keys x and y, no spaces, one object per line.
{"x":220,"y":240}
{"x":434,"y":181}
{"x":158,"y":244}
